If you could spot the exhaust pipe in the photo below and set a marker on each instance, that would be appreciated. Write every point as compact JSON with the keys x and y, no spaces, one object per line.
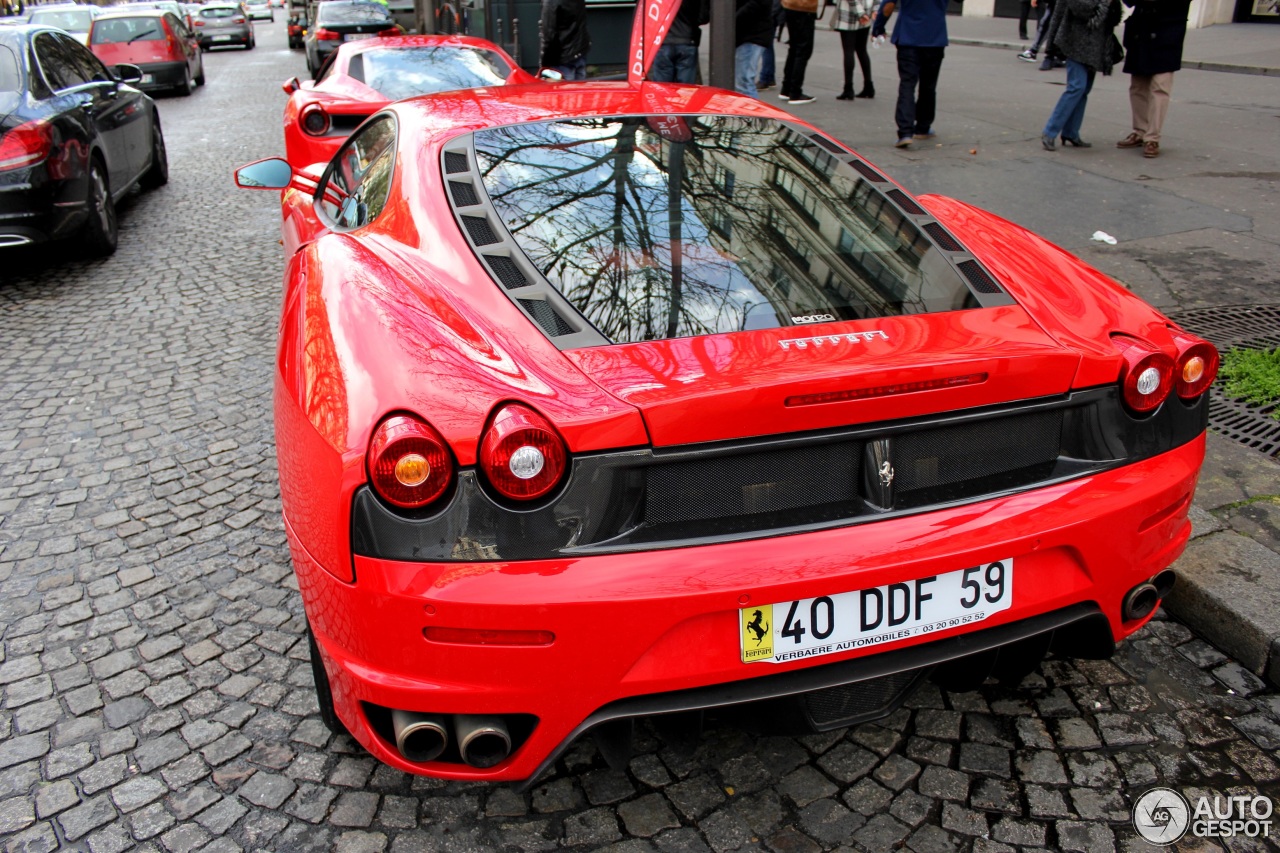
{"x":419,"y":737}
{"x":1139,"y":602}
{"x":482,"y":741}
{"x":1164,"y":582}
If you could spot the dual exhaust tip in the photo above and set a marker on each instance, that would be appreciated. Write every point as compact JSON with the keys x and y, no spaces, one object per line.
{"x":1141,"y":601}
{"x":483,"y":741}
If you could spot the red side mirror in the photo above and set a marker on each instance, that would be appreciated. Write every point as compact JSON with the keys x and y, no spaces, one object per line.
{"x":291,"y":85}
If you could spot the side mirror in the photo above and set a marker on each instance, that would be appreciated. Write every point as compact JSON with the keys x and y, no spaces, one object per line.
{"x":126,"y":73}
{"x":270,"y":174}
{"x":550,"y":75}
{"x":291,"y":85}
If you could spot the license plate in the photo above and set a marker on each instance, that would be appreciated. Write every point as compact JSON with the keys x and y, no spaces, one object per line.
{"x":359,"y":36}
{"x":831,"y":624}
{"x":222,"y":38}
{"x":147,"y":78}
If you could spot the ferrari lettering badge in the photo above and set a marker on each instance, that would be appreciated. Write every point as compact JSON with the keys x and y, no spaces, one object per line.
{"x":886,"y":474}
{"x":820,"y":341}
{"x":757,"y":633}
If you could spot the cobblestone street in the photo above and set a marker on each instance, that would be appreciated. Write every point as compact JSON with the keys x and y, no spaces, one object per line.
{"x":155,"y":689}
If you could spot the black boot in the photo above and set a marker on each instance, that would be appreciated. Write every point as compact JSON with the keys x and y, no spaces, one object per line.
{"x":846,"y":95}
{"x":868,"y":91}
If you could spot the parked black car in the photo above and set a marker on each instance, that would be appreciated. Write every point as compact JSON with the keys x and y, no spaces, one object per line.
{"x":337,"y":21}
{"x":74,"y":138}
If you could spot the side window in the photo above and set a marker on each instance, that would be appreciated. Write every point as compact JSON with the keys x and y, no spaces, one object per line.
{"x":88,"y":67}
{"x":358,"y":181}
{"x":52,"y":62}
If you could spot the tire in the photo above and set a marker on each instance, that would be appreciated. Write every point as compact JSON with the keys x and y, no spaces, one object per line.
{"x":250,"y":43}
{"x":187,"y":86}
{"x":102,"y":231}
{"x":200,"y":76}
{"x":157,"y":175}
{"x":324,"y":694}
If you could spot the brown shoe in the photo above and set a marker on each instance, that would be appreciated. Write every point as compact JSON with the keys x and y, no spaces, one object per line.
{"x":1133,"y":140}
{"x":1151,"y":149}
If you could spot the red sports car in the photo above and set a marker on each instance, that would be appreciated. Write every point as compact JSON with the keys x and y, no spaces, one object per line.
{"x":599,"y":401}
{"x":364,"y":76}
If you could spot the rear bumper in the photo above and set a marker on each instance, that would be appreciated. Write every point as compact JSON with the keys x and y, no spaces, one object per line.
{"x":164,"y":75}
{"x":34,"y":208}
{"x":653,"y":623}
{"x":224,"y":39}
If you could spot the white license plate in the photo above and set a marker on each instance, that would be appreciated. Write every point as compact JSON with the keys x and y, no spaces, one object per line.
{"x":147,"y":78}
{"x":831,"y":624}
{"x":222,"y":38}
{"x":359,"y":36}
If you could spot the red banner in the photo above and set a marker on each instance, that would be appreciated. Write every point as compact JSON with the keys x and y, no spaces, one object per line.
{"x":653,"y":18}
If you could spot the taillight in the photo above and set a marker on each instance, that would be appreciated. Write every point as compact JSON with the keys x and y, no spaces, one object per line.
{"x":394,"y":31}
{"x":25,"y":145}
{"x":198,"y":23}
{"x":237,"y":20}
{"x":328,"y":35}
{"x":521,"y":454}
{"x":314,"y":120}
{"x":409,"y":464}
{"x":1197,"y":365}
{"x":1147,"y":376}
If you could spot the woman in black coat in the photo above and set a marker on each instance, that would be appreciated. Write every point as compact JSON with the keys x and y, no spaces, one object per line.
{"x":1153,"y":38}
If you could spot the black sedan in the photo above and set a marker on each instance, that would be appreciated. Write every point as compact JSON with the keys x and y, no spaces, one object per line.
{"x":339,"y":21}
{"x":75,"y":137}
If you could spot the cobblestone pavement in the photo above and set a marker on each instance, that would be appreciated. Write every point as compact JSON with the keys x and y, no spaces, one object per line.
{"x":155,"y":692}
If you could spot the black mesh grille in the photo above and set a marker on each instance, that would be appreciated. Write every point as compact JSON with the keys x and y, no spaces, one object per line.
{"x":464,"y":195}
{"x":748,"y":484}
{"x":942,"y":237}
{"x":867,"y":172}
{"x":455,"y":162}
{"x":905,"y":202}
{"x":479,"y":230}
{"x":833,"y":147}
{"x":978,"y":277}
{"x":974,"y":454}
{"x":546,"y":317}
{"x":506,"y":271}
{"x":836,"y":705}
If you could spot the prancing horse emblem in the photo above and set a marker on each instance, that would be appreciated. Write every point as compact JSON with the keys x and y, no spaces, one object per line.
{"x":886,"y":474}
{"x":758,"y":626}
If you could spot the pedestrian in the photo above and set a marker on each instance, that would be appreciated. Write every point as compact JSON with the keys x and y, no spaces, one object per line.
{"x":1042,"y":29}
{"x":769,"y":63}
{"x":853,"y":22}
{"x":1024,"y":14}
{"x":920,"y":37}
{"x":801,"y":17}
{"x":1153,"y":37}
{"x":677,"y":60}
{"x":753,"y":32}
{"x":564,"y":38}
{"x":1084,"y":30}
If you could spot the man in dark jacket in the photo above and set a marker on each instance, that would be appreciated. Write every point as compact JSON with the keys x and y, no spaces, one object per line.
{"x":920,"y":37}
{"x":1153,"y":38}
{"x":677,"y":60}
{"x":565,"y":41}
{"x":753,"y":32}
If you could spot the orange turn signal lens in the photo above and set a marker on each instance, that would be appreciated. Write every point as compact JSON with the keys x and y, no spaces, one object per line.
{"x":1193,"y":369}
{"x":412,"y":469}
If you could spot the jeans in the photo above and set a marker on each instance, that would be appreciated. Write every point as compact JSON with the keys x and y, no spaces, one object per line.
{"x":768,"y":70}
{"x":1068,"y":115}
{"x":675,"y":63}
{"x":1042,"y":29}
{"x":800,"y":47}
{"x":746,"y":67}
{"x":574,"y":69}
{"x":917,"y":66}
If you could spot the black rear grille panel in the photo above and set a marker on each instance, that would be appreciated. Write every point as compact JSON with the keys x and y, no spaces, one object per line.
{"x":546,"y":317}
{"x":867,"y":172}
{"x":943,"y":238}
{"x":906,"y":202}
{"x":455,"y":162}
{"x":929,"y":459}
{"x":479,"y":230}
{"x":978,"y":278}
{"x":834,"y":707}
{"x":464,"y":195}
{"x":507,"y":271}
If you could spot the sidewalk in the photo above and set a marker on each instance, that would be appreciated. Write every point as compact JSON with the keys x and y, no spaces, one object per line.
{"x":1235,"y":48}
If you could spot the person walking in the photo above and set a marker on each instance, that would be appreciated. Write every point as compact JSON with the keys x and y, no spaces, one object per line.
{"x":564,"y":38}
{"x":768,"y":63}
{"x":802,"y":18}
{"x":920,"y":37}
{"x":753,"y":32}
{"x":1024,"y":14}
{"x":677,"y":60}
{"x":853,"y":22}
{"x":1153,"y":37}
{"x":1084,"y":30}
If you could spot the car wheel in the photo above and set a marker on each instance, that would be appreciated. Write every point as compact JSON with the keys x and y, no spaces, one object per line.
{"x":324,"y":694}
{"x":249,"y":44}
{"x":187,"y":86}
{"x":101,"y":232}
{"x":200,"y":76}
{"x":157,"y":175}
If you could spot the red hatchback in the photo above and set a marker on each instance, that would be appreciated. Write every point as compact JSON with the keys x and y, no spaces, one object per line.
{"x":155,"y":41}
{"x":596,"y":402}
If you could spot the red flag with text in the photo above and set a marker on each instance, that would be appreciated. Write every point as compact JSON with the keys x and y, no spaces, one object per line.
{"x":653,"y":19}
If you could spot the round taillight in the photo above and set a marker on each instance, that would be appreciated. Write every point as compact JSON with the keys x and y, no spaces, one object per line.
{"x":409,"y":464}
{"x":1147,"y":376}
{"x":521,"y":454}
{"x":1197,"y":365}
{"x":315,"y":121}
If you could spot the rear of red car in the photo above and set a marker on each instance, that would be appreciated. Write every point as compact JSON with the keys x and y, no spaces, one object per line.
{"x":149,"y":40}
{"x":661,"y":413}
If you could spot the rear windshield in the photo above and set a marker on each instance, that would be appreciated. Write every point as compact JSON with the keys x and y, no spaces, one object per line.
{"x":352,"y":13}
{"x":10,"y":76}
{"x":127,"y":30}
{"x":71,"y":20}
{"x":219,"y":12}
{"x":663,"y":227}
{"x":398,"y":73}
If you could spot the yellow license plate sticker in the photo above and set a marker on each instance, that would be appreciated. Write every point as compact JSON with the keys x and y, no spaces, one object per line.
{"x":757,"y":633}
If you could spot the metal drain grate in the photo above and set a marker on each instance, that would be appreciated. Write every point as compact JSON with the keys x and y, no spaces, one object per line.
{"x":1227,"y":327}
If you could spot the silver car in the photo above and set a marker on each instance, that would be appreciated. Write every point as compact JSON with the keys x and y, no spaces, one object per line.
{"x":260,"y":9}
{"x":223,"y":25}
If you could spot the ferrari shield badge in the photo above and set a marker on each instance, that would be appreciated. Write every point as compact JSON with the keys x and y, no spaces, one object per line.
{"x":757,"y":633}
